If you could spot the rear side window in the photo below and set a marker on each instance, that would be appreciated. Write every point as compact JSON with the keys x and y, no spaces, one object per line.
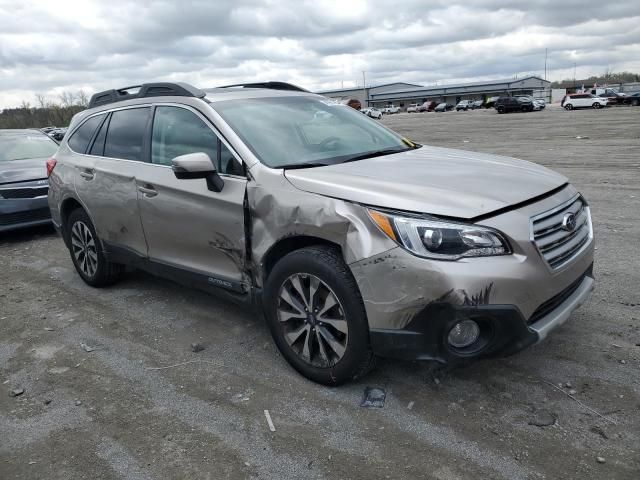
{"x":125,"y":136}
{"x":98,"y":144}
{"x":80,"y":139}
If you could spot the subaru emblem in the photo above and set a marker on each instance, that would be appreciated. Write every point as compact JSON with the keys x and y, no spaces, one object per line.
{"x":569,"y":222}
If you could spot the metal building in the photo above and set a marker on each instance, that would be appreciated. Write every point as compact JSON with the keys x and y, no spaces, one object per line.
{"x":403,"y":94}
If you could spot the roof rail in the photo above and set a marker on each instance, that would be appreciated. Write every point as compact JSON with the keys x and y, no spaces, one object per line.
{"x":269,"y":85}
{"x":161,"y":89}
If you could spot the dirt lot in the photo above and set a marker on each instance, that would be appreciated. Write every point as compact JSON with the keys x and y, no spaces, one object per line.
{"x":111,"y":413}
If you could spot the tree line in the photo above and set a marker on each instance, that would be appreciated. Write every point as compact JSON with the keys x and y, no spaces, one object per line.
{"x":45,"y":112}
{"x":608,"y":77}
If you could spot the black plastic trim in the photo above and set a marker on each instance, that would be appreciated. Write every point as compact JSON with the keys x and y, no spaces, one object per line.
{"x":425,"y":338}
{"x":146,"y":90}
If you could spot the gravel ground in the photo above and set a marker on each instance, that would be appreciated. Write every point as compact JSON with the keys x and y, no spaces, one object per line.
{"x":133,"y":408}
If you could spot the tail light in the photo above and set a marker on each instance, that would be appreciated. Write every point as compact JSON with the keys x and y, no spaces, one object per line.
{"x":51,"y":164}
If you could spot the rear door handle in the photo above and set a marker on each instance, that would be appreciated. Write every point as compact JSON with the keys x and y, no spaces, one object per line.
{"x":148,"y":191}
{"x":87,"y":173}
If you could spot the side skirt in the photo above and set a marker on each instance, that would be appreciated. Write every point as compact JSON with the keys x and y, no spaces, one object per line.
{"x":231,"y":290}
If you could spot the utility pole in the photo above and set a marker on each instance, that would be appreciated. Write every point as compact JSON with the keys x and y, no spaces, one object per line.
{"x":546,"y":50}
{"x":364,"y":89}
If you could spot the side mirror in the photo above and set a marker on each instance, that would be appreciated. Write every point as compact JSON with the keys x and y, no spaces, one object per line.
{"x":197,"y":165}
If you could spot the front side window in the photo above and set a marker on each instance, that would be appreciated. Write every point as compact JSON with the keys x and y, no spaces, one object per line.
{"x":178,"y":131}
{"x":304,"y":131}
{"x":125,"y":136}
{"x":80,"y":139}
{"x":23,"y":146}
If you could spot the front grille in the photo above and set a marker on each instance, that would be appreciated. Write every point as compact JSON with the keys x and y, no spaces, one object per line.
{"x":557,"y":243}
{"x":554,"y":302}
{"x":23,"y":192}
{"x":24,"y":217}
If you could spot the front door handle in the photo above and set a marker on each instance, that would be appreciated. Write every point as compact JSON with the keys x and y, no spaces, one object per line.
{"x":148,"y":191}
{"x":87,"y":174}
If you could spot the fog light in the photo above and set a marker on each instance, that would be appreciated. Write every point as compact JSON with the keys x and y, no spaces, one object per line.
{"x":463,"y":334}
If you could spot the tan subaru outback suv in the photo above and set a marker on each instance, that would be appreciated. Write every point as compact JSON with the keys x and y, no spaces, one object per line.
{"x":352,"y":240}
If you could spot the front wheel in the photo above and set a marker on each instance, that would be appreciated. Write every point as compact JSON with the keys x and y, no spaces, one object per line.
{"x":86,"y":252}
{"x":568,"y":107}
{"x":316,"y":316}
{"x":500,"y":109}
{"x":596,"y":105}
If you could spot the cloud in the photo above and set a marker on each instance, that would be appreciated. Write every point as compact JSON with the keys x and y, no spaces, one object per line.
{"x":50,"y":47}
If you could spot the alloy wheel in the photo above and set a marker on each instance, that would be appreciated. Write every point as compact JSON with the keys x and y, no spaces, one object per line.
{"x":312,"y":320}
{"x":84,"y":248}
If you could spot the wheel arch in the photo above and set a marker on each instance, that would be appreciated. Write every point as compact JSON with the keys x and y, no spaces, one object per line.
{"x":287,"y":245}
{"x":67,"y":206}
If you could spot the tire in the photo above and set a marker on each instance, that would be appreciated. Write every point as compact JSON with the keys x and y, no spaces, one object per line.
{"x":596,"y":105}
{"x":338,"y":351}
{"x":636,"y":103}
{"x":86,"y":252}
{"x":501,"y":109}
{"x":568,"y":107}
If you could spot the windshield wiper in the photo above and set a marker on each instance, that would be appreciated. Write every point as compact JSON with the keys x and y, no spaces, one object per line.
{"x":294,"y":166}
{"x":375,"y":153}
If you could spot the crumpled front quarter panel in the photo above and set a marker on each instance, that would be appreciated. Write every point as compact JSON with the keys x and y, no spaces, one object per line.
{"x":278,"y":211}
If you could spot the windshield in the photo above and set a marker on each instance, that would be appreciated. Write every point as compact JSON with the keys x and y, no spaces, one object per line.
{"x":21,"y":146}
{"x":300,"y":131}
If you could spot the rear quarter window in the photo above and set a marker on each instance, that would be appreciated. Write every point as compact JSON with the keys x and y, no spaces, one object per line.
{"x":79,"y":141}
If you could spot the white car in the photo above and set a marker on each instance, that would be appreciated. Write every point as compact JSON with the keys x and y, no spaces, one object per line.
{"x":372,"y":112}
{"x":464,"y":105}
{"x":583,"y":100}
{"x":413,"y":108}
{"x":391,"y":109}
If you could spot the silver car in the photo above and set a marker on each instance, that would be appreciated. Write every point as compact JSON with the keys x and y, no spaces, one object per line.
{"x":354,"y":241}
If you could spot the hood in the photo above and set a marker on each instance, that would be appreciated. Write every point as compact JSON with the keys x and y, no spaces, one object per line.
{"x":437,"y":181}
{"x":23,"y":170}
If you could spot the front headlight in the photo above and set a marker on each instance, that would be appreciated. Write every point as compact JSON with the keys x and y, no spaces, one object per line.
{"x":438,"y":239}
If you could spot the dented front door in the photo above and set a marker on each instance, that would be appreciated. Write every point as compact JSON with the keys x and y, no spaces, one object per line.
{"x":186,"y":225}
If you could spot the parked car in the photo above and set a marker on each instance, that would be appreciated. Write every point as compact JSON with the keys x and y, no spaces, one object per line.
{"x":372,"y":112}
{"x":491,"y":102}
{"x":476,"y":104}
{"x":443,"y":107}
{"x":529,"y":100}
{"x":464,"y":105}
{"x":23,"y":178}
{"x":413,"y":108}
{"x":390,"y":109}
{"x":513,"y":104}
{"x":613,"y":97}
{"x":634,"y":99}
{"x":583,"y":100}
{"x":541,"y":103}
{"x":428,"y":106}
{"x":353,"y":240}
{"x":57,"y":134}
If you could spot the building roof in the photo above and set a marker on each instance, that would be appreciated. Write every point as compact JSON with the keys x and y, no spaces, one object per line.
{"x":471,"y":87}
{"x":351,"y":89}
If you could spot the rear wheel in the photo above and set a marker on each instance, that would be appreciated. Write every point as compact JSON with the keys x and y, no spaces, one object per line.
{"x":86,"y":252}
{"x":316,"y":316}
{"x":636,"y":102}
{"x":500,"y":109}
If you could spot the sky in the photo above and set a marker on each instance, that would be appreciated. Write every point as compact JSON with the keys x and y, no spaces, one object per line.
{"x":49,"y":47}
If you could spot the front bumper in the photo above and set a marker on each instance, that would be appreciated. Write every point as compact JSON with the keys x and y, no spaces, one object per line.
{"x":504,"y":330}
{"x":23,"y":212}
{"x":412,"y":302}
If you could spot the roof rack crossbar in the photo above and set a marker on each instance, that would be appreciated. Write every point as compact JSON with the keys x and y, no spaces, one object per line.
{"x":158,"y":89}
{"x":269,"y":85}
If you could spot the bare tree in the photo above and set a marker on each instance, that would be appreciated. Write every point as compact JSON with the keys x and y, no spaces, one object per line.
{"x":82,"y":99}
{"x":41,"y":100}
{"x":67,"y":99}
